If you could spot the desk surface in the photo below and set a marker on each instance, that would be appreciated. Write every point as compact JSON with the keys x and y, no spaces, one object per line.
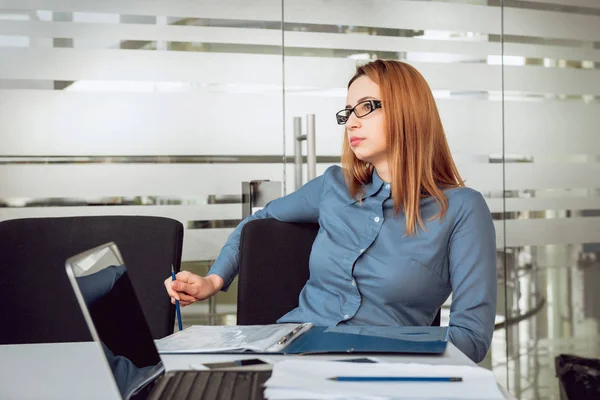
{"x":452,"y":355}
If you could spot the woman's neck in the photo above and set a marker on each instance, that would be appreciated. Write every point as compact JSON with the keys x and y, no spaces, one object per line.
{"x":383,"y":170}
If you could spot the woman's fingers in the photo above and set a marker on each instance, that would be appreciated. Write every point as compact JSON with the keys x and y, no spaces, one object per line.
{"x":170,"y":291}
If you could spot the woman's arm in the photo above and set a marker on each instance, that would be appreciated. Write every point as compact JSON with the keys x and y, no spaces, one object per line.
{"x":472,"y":259}
{"x":299,"y":206}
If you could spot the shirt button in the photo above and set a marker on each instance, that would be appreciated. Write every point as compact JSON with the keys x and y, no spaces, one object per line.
{"x":362,"y":251}
{"x":387,"y":186}
{"x":376,"y":219}
{"x":353,"y":282}
{"x":346,"y":316}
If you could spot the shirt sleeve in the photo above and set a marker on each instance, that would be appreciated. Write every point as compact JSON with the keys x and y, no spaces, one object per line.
{"x":473,"y":276}
{"x":299,"y":206}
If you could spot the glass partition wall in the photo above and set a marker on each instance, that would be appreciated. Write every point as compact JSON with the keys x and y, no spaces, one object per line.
{"x":166,"y":107}
{"x":552,"y":176}
{"x":148,"y":108}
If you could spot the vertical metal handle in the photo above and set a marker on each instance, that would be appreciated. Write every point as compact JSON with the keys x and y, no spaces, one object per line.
{"x":298,"y":151}
{"x":311,"y":148}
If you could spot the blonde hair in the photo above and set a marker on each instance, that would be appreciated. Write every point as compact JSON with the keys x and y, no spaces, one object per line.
{"x":418,"y":154}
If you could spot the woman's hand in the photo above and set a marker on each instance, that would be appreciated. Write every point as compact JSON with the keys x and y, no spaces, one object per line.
{"x":189,"y":287}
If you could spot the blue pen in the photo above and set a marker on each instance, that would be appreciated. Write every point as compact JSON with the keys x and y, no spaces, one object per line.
{"x":395,"y":379}
{"x":177,"y":308}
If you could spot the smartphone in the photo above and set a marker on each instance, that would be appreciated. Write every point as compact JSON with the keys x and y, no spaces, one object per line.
{"x":235,"y":363}
{"x":365,"y":360}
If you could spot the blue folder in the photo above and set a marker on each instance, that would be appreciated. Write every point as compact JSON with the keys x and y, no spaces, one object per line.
{"x":353,"y":339}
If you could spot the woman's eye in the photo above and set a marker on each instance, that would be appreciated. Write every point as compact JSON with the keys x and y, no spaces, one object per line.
{"x":366,"y":107}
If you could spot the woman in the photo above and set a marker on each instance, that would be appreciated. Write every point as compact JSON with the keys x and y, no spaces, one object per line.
{"x":398,"y":230}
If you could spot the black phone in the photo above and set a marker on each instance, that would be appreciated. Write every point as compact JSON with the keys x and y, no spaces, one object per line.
{"x":364,"y":360}
{"x":235,"y":363}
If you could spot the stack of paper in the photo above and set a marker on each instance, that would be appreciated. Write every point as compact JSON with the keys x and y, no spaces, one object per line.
{"x":309,"y":379}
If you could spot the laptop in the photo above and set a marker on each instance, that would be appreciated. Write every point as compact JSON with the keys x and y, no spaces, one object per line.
{"x":123,"y":347}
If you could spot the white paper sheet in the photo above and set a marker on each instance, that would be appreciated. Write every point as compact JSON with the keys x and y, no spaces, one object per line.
{"x":310,"y":377}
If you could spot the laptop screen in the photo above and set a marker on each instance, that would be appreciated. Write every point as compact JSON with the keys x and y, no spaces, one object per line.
{"x":114,"y":315}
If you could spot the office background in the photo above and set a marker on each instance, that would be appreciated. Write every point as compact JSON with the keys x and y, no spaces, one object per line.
{"x":163,"y":107}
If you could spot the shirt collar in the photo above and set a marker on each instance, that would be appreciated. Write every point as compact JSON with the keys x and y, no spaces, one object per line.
{"x":370,"y":188}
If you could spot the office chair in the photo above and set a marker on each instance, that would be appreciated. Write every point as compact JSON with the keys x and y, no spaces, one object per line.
{"x":32,"y":263}
{"x":273,"y":269}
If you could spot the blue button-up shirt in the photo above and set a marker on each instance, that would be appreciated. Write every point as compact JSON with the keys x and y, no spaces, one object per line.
{"x":364,"y":269}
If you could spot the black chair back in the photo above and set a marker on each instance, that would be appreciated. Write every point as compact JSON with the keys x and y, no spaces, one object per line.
{"x":38,"y":305}
{"x":274,"y":259}
{"x":273,"y":269}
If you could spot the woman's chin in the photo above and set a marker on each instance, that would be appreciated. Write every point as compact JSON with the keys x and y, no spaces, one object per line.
{"x":361,"y":155}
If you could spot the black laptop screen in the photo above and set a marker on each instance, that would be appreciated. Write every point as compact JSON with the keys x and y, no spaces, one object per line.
{"x":117,"y":318}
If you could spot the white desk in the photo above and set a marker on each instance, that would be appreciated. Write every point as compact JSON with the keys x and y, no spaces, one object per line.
{"x":452,"y":356}
{"x":183,"y":361}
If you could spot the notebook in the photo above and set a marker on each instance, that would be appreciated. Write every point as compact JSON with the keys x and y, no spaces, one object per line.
{"x":125,"y":347}
{"x":305,"y":339}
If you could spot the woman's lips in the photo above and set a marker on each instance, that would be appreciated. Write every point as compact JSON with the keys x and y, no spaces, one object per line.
{"x":355,"y":141}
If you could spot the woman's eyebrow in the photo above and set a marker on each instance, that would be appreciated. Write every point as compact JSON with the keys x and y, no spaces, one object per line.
{"x":362,"y":99}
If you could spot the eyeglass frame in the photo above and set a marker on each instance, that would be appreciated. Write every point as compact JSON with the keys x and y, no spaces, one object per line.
{"x":375,"y":104}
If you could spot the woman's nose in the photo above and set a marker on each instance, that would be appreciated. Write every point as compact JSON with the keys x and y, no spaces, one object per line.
{"x":353,"y":122}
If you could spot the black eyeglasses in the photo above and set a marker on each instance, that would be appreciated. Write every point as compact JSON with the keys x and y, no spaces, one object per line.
{"x":362,"y":109}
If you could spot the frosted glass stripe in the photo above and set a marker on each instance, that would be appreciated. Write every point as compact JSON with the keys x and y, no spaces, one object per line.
{"x":468,"y":48}
{"x":204,"y":244}
{"x":542,"y":128}
{"x":101,"y":180}
{"x":482,"y":177}
{"x":441,"y":16}
{"x":335,"y":72}
{"x":542,"y":204}
{"x":356,"y":41}
{"x":395,"y":14}
{"x":70,"y":123}
{"x":132,"y":65}
{"x":552,"y":176}
{"x":117,"y":32}
{"x":70,"y":64}
{"x":537,"y":232}
{"x":327,"y":72}
{"x":182,"y":213}
{"x":552,"y":52}
{"x":488,"y":177}
{"x":271,"y":37}
{"x":264,"y":10}
{"x":542,"y":232}
{"x":580,"y":3}
{"x":551,"y":24}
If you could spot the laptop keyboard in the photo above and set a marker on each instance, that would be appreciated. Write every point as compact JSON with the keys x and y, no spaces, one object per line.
{"x":211,"y":385}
